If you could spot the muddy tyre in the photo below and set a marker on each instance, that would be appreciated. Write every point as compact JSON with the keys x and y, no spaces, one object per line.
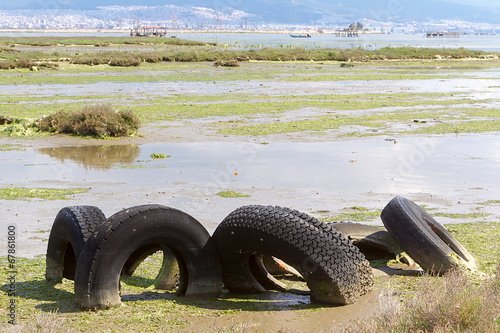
{"x":326,"y":259}
{"x":362,"y":265}
{"x":104,"y":255}
{"x":423,"y":238}
{"x":70,"y":230}
{"x":373,"y":242}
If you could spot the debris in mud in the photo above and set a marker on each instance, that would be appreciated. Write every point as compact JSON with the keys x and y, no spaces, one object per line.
{"x":4,"y":120}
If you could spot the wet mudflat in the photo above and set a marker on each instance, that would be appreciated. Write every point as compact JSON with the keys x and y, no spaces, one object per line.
{"x":315,"y":137}
{"x":337,"y":143}
{"x":453,"y":174}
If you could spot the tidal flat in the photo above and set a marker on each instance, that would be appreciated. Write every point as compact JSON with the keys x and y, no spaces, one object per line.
{"x":266,"y":98}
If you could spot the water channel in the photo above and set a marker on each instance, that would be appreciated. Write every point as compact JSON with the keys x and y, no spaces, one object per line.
{"x":440,"y":165}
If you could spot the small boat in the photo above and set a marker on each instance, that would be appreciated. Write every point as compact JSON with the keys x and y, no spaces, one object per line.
{"x":300,"y":35}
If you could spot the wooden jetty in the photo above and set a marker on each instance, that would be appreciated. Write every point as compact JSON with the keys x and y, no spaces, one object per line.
{"x":347,"y":33}
{"x":148,"y":31}
{"x":434,"y":34}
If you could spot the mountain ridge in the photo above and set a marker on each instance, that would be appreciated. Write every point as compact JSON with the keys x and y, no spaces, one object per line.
{"x":300,"y":11}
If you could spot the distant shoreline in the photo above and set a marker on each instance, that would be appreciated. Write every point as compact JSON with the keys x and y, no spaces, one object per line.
{"x":174,"y":31}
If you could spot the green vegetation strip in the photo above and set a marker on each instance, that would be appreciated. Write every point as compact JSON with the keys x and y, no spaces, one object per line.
{"x":92,"y":41}
{"x":463,"y":216}
{"x":354,"y":214}
{"x":232,"y":194}
{"x":450,"y":121}
{"x":23,"y":193}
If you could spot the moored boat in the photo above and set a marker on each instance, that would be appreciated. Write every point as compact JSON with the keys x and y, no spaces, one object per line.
{"x":300,"y":35}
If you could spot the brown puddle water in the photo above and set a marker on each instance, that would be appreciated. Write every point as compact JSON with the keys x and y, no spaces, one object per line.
{"x":440,"y":165}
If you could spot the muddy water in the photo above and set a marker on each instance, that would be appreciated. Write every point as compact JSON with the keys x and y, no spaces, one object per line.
{"x":452,"y":174}
{"x":440,"y":165}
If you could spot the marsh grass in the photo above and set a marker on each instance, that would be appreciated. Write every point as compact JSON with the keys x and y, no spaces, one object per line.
{"x":453,"y":303}
{"x":100,"y":121}
{"x":189,"y":51}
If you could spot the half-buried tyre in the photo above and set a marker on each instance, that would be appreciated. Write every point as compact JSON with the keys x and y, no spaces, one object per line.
{"x":97,"y":278}
{"x":423,"y":238}
{"x":333,"y":268}
{"x":70,"y":230}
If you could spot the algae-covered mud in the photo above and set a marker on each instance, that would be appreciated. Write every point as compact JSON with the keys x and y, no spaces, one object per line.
{"x":336,"y":142}
{"x":313,"y":100}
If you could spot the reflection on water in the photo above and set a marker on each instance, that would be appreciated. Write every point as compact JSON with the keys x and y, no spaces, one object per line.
{"x":440,"y":165}
{"x":96,"y":157}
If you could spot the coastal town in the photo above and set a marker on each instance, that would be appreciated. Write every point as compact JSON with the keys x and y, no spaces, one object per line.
{"x":120,"y":18}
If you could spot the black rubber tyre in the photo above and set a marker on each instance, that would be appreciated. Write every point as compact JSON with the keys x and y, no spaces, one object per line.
{"x":334,"y":269}
{"x":423,"y":238}
{"x":104,"y":255}
{"x":70,"y":230}
{"x":373,"y":242}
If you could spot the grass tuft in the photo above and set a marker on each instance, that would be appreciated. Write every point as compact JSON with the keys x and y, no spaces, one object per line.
{"x":100,"y":121}
{"x":158,"y":156}
{"x":453,"y":303}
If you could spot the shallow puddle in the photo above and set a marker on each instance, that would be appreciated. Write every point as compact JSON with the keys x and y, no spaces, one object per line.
{"x":439,"y":165}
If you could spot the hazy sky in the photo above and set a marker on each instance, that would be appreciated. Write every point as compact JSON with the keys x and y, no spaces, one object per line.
{"x":483,"y":3}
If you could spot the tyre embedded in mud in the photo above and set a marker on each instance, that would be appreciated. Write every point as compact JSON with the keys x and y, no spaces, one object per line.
{"x":423,"y":238}
{"x":97,"y":278}
{"x":333,"y":268}
{"x":70,"y":230}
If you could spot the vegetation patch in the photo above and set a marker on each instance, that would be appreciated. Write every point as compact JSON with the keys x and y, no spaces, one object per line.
{"x":100,"y":121}
{"x":453,"y":303}
{"x":227,"y":63}
{"x":354,"y":214}
{"x":463,"y":216}
{"x":490,"y":202}
{"x":23,"y":193}
{"x":465,"y":126}
{"x":232,"y":194}
{"x":159,"y":156}
{"x":179,"y":50}
{"x":19,"y":127}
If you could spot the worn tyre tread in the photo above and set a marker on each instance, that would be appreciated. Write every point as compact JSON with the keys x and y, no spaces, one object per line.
{"x":326,"y":259}
{"x":72,"y":227}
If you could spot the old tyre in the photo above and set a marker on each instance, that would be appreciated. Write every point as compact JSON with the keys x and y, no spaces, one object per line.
{"x":423,"y":238}
{"x":334,"y":269}
{"x":373,"y":242}
{"x":103,"y":258}
{"x":70,"y":230}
